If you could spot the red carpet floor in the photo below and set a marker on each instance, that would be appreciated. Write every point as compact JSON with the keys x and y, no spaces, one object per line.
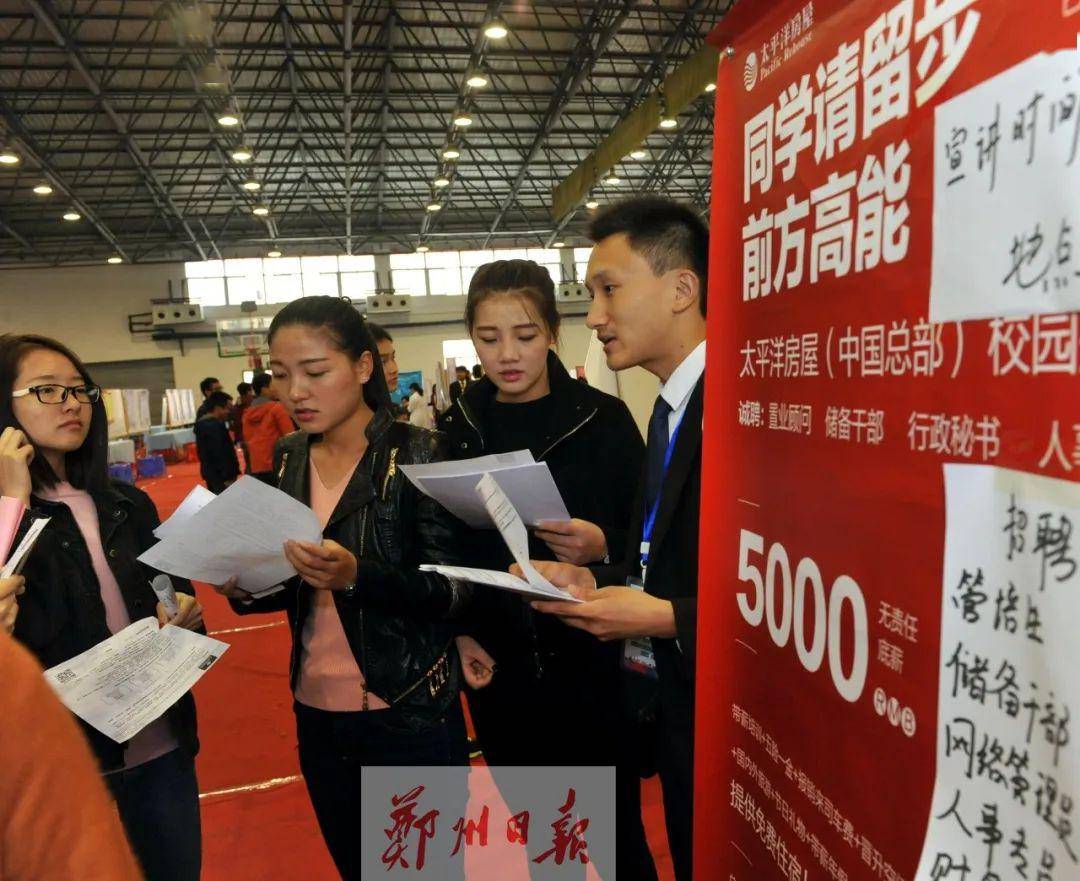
{"x":256,"y":818}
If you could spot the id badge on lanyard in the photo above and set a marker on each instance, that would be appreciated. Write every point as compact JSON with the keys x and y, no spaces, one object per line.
{"x":638,"y":656}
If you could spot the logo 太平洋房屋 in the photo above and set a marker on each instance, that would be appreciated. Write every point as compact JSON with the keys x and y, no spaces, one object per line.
{"x":750,"y":72}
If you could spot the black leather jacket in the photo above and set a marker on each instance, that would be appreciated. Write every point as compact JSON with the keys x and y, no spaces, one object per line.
{"x":400,"y":621}
{"x":61,"y":614}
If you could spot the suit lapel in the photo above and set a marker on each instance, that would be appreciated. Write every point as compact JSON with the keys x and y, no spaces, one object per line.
{"x":683,"y":458}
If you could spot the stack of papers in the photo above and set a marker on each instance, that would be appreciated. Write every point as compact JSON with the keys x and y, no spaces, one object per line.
{"x":527,"y":483}
{"x":125,"y":682}
{"x":238,"y":533}
{"x":14,"y":562}
{"x":502,"y":513}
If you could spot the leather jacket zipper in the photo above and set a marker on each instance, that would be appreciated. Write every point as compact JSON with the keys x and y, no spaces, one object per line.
{"x":391,"y":470}
{"x":363,"y":648}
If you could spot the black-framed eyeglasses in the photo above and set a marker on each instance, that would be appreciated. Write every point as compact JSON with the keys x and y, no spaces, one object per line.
{"x":57,"y":394}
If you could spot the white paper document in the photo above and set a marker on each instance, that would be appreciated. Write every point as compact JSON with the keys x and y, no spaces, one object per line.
{"x":528,"y":484}
{"x":545,"y":590}
{"x":123,"y":684}
{"x":1007,"y":194}
{"x":512,"y":529}
{"x":18,"y":557}
{"x":1006,"y":753}
{"x":241,"y":533}
{"x":194,"y":502}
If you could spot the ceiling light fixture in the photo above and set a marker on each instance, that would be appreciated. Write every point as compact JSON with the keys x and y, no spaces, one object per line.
{"x":228,"y":118}
{"x":242,"y":154}
{"x":559,"y":245}
{"x":496,"y":29}
{"x":422,"y":249}
{"x":612,"y":180}
{"x":43,"y":189}
{"x":592,"y":204}
{"x":251,"y":185}
{"x":668,"y":122}
{"x":115,"y":259}
{"x":441,"y":182}
{"x":711,"y":87}
{"x":72,"y":215}
{"x":451,"y":153}
{"x":639,"y":154}
{"x":212,"y":76}
{"x":273,"y":254}
{"x":8,"y":156}
{"x":260,"y":211}
{"x":434,"y":206}
{"x":477,"y":81}
{"x":462,"y":120}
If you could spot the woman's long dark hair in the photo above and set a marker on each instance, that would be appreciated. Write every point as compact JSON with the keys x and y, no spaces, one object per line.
{"x":347,"y":329}
{"x":88,"y":466}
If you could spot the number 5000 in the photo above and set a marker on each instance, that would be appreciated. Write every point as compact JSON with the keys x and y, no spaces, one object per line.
{"x":789,"y":611}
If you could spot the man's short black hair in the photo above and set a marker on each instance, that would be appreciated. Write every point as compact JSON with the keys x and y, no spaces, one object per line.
{"x":217,"y":399}
{"x":378,"y":332}
{"x":461,"y":368}
{"x":668,"y":234}
{"x":243,"y":388}
{"x":260,"y":382}
{"x":207,"y":384}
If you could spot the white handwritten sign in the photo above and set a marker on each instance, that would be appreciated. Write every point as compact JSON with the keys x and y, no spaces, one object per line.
{"x":1008,"y":768}
{"x":1007,"y":194}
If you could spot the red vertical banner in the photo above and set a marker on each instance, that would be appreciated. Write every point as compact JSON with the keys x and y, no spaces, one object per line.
{"x":889,"y":585}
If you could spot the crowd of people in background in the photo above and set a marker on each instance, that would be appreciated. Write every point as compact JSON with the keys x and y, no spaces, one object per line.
{"x":382,"y":649}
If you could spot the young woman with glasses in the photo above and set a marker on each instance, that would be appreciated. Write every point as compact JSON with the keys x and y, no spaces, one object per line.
{"x":83,"y":583}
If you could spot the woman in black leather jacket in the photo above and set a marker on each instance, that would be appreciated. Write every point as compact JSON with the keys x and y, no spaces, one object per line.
{"x":84,"y":583}
{"x":373,"y":669}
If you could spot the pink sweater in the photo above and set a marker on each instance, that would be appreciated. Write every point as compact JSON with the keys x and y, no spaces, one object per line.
{"x":329,"y":676}
{"x":155,"y":739}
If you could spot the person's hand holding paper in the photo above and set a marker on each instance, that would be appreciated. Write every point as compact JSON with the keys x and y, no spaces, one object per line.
{"x":573,"y":541}
{"x":10,"y":589}
{"x":608,"y":613}
{"x":325,"y":566}
{"x":510,"y":526}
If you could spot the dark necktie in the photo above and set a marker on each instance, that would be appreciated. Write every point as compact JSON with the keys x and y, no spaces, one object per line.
{"x":657,"y":450}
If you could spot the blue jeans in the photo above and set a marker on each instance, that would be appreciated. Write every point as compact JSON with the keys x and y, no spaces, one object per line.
{"x":159,"y":806}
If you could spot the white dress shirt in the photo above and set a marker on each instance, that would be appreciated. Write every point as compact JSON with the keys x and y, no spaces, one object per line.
{"x":680,"y":385}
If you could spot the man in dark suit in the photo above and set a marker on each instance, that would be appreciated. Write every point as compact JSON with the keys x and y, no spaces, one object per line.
{"x":460,"y":385}
{"x":648,"y":277}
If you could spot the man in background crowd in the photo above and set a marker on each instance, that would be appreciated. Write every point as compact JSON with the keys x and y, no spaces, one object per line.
{"x":387,"y":353}
{"x":460,"y":385}
{"x":217,"y":455}
{"x":265,"y":422}
{"x":244,"y":396}
{"x":477,"y":372}
{"x":208,"y":386}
